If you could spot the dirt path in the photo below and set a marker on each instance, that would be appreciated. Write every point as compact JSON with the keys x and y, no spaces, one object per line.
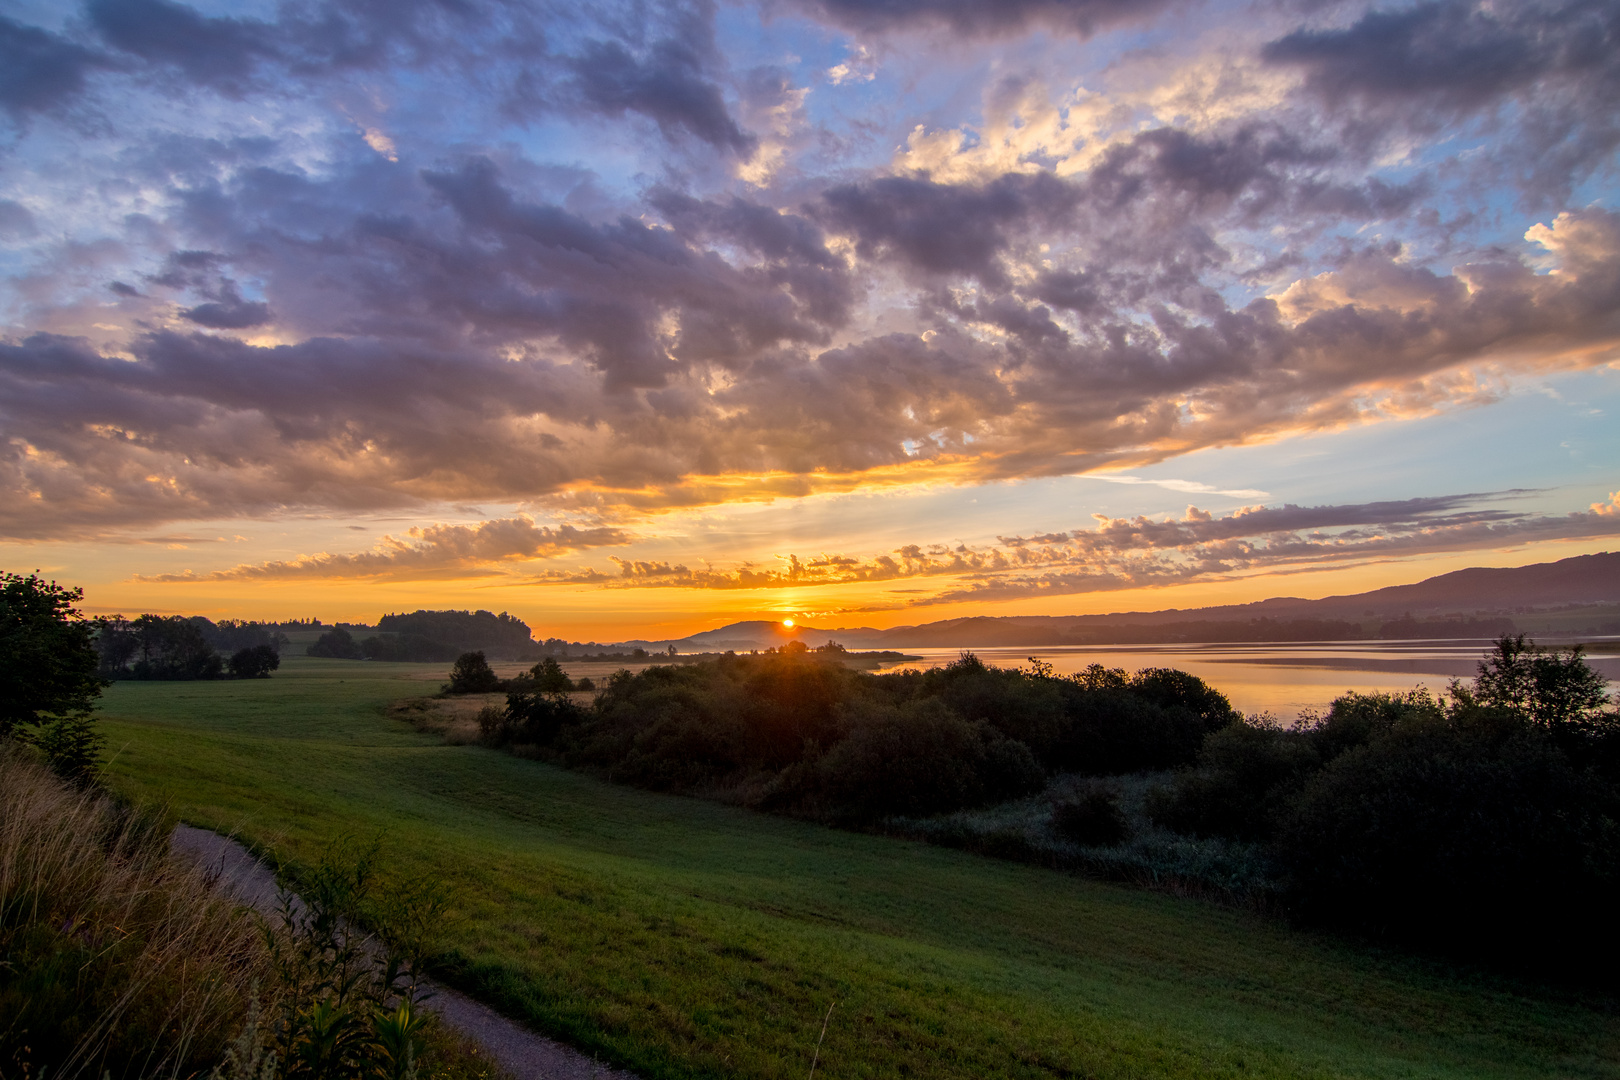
{"x":521,"y":1052}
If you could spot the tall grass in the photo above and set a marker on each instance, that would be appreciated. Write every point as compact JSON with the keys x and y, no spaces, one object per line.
{"x":116,"y":957}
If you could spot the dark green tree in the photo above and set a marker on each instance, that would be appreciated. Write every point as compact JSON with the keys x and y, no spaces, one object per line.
{"x":48,"y":658}
{"x":48,"y":673}
{"x":472,"y":675}
{"x":254,"y":662}
{"x":550,"y":678}
{"x":1550,"y":688}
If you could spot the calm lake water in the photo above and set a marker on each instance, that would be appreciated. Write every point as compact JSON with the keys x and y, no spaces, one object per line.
{"x":1282,"y":679}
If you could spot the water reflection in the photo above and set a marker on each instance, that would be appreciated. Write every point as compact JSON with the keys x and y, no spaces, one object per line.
{"x":1280,"y":678}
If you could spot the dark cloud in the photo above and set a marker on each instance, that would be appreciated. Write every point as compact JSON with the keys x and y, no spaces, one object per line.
{"x":228,"y":312}
{"x":462,"y":406}
{"x":668,"y":82}
{"x":1537,"y":78}
{"x":435,"y":552}
{"x":221,"y":52}
{"x":40,"y":71}
{"x":670,"y":79}
{"x":1084,"y":17}
{"x":947,"y":228}
{"x":1457,"y":54}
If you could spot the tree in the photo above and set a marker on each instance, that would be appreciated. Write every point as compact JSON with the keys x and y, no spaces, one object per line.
{"x":173,"y":648}
{"x":1550,"y":688}
{"x":48,"y":658}
{"x":472,"y":675}
{"x":550,"y":678}
{"x":336,"y":644}
{"x":254,"y":662}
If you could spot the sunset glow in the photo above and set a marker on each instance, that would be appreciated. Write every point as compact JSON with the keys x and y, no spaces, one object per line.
{"x":635,"y":321}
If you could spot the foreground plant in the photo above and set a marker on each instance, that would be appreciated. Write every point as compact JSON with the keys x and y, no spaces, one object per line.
{"x":116,"y":957}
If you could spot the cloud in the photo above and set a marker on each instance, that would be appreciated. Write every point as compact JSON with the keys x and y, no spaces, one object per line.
{"x":1082,"y":17}
{"x":668,"y":83}
{"x":229,"y":311}
{"x":1121,"y":553}
{"x":41,"y":72}
{"x":698,"y":368}
{"x":248,"y":310}
{"x":433,"y":552}
{"x":1544,"y":71}
{"x":1190,"y":487}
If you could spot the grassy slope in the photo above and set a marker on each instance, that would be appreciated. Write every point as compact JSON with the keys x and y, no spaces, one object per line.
{"x":686,"y":938}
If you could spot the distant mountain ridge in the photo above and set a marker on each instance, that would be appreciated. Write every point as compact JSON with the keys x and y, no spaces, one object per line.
{"x":1471,"y":602}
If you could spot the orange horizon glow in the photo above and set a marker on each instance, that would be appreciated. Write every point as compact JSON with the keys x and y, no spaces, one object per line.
{"x":593,"y":614}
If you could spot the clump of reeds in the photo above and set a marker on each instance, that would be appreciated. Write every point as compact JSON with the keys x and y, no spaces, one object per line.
{"x":116,"y":956}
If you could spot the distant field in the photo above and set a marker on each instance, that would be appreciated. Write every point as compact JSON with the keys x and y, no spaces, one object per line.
{"x":688,"y":939}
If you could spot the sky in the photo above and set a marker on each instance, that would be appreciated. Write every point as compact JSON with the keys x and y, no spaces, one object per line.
{"x":635,"y":319}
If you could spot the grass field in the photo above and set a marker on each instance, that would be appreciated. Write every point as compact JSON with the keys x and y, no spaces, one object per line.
{"x":685,"y":939}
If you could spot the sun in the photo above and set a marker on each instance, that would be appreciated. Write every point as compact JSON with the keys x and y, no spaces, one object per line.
{"x":788,"y":623}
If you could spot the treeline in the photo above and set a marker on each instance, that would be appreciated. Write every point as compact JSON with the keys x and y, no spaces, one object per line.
{"x":432,"y":637}
{"x":174,"y":647}
{"x":799,"y":733}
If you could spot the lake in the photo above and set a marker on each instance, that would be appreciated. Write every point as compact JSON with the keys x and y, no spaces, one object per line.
{"x":1280,"y":678}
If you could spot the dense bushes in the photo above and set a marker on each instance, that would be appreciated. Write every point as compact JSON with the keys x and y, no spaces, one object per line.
{"x":49,"y":678}
{"x":1486,"y":824}
{"x":336,"y":644}
{"x":799,"y":733}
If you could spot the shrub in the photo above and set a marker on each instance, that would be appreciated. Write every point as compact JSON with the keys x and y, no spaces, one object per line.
{"x":492,"y":728}
{"x":336,"y":644}
{"x":922,"y":758}
{"x":1092,"y":818}
{"x":48,"y":661}
{"x":472,"y":675}
{"x":1358,"y":719}
{"x":1172,"y":689}
{"x":72,"y":748}
{"x":1245,"y":772}
{"x":1109,"y":732}
{"x":254,"y":662}
{"x":1549,"y":688}
{"x":1471,"y":833}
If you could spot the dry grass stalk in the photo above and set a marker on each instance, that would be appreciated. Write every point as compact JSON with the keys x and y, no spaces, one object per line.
{"x":121,"y":956}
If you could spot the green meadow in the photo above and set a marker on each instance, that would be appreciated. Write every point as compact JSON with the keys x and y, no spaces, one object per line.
{"x":684,"y":938}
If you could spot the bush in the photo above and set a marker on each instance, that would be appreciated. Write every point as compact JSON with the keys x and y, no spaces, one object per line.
{"x":1172,"y":689}
{"x":1245,"y":772}
{"x":48,"y":661}
{"x":72,"y":748}
{"x":254,"y":662}
{"x":1108,"y":732}
{"x":920,"y":759}
{"x":336,"y":644}
{"x":1092,"y":818}
{"x":472,"y":675}
{"x":1471,"y":833}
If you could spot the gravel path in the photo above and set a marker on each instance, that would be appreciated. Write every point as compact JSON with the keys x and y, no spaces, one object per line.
{"x":521,"y":1052}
